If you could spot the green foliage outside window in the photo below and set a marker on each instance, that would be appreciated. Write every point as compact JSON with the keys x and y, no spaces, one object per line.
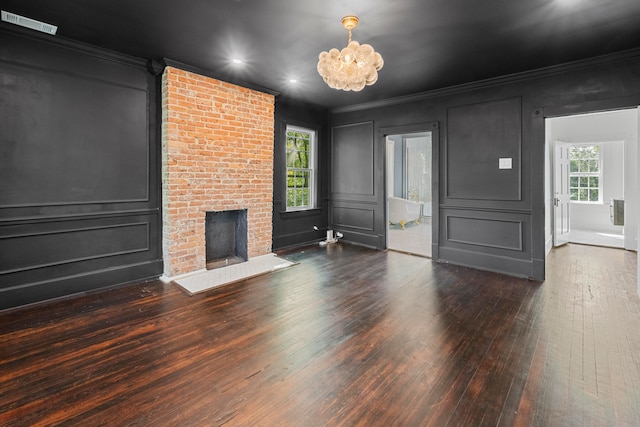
{"x":584,"y":173}
{"x":299,"y":169}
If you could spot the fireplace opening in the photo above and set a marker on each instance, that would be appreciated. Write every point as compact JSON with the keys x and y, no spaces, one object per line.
{"x":226,"y":238}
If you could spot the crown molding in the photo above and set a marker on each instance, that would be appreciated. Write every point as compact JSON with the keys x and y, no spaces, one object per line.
{"x":60,"y":41}
{"x":494,"y":81}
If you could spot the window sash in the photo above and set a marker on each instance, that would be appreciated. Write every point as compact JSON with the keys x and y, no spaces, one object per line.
{"x":300,"y":168}
{"x":585,"y":176}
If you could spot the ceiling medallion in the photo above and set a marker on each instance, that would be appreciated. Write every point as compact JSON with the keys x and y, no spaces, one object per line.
{"x":352,"y":68}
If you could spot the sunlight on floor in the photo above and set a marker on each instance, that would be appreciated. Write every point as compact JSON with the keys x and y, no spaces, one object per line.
{"x":595,"y":238}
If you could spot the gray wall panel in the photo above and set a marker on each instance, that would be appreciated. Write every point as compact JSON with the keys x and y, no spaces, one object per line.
{"x":361,"y":218}
{"x":352,"y":154}
{"x":45,"y":252}
{"x":477,"y":136}
{"x":485,"y":232}
{"x":80,"y":172}
{"x":60,"y":146}
{"x":494,"y":232}
{"x":357,"y":175}
{"x":37,"y":248}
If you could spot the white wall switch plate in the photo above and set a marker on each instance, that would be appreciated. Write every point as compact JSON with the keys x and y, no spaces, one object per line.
{"x":504,"y":163}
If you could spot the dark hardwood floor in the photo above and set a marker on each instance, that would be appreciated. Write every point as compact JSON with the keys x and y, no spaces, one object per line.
{"x":348,"y":337}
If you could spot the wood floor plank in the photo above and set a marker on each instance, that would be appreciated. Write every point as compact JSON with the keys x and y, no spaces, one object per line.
{"x":348,"y":337}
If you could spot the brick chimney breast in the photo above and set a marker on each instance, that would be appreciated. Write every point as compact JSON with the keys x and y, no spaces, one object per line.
{"x":217,"y":155}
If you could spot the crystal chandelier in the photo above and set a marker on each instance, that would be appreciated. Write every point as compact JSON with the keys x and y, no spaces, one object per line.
{"x":352,"y":68}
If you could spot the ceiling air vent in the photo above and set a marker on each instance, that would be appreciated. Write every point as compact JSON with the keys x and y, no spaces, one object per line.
{"x":28,"y":22}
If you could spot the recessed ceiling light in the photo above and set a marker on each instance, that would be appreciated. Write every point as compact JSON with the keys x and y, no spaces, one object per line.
{"x":237,"y":61}
{"x":568,"y":3}
{"x":293,"y":81}
{"x":23,"y":21}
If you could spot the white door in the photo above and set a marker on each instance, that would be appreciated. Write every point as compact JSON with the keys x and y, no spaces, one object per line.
{"x":561,"y":198}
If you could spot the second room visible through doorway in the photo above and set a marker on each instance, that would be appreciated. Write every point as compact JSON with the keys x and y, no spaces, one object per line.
{"x":409,"y":193}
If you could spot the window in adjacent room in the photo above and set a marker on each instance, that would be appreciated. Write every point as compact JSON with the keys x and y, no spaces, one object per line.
{"x":585,"y":173}
{"x":300,"y":154}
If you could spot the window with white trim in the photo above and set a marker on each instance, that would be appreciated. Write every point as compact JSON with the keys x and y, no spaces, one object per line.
{"x":585,"y":173}
{"x":301,"y":174}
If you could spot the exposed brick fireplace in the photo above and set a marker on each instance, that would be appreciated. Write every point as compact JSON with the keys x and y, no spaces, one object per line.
{"x":217,"y":155}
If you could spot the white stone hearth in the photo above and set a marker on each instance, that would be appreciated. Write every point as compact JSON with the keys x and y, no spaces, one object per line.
{"x":208,"y":279}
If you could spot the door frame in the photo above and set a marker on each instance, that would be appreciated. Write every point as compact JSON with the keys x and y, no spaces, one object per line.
{"x":541,"y":158}
{"x":432,"y":127}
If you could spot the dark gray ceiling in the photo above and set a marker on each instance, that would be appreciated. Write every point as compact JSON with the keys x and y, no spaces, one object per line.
{"x":426,"y":45}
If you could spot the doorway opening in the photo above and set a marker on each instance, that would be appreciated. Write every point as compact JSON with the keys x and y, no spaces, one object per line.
{"x":409,"y":183}
{"x":592,"y":179}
